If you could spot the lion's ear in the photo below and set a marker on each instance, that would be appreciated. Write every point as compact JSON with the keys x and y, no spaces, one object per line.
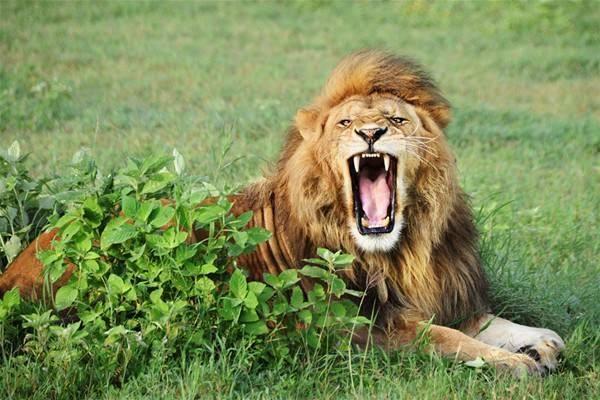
{"x":308,"y":123}
{"x":427,"y":122}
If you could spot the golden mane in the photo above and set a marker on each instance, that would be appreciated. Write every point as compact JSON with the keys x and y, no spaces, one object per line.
{"x":367,"y":72}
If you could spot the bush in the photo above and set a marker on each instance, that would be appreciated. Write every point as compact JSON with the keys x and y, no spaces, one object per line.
{"x":142,"y":289}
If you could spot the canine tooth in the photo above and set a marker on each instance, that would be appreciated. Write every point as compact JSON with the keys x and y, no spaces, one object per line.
{"x":386,"y":221}
{"x":386,"y":161}
{"x":356,"y":160}
{"x":364,"y":222}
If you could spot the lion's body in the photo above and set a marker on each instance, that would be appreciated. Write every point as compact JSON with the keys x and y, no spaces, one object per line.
{"x":414,"y":281}
{"x":422,"y":263}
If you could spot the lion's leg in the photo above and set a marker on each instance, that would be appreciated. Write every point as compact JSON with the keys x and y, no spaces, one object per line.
{"x":543,"y":345}
{"x":26,"y":271}
{"x":453,"y":343}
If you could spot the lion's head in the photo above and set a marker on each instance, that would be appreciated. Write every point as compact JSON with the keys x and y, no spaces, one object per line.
{"x":368,"y":136}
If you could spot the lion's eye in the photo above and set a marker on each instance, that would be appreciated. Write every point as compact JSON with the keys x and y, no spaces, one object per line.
{"x":399,"y":120}
{"x":344,"y":123}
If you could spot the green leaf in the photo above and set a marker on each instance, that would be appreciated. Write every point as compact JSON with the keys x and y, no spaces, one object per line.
{"x":155,"y":296}
{"x":251,"y":301}
{"x":338,"y":309}
{"x":162,"y":216}
{"x":280,"y":305}
{"x":266,"y":294}
{"x":476,"y":363}
{"x":297,"y":299}
{"x":56,"y":270}
{"x":314,"y":272}
{"x":249,"y":316}
{"x":343,"y":259}
{"x":326,"y":254}
{"x":256,"y":328}
{"x":65,"y":296}
{"x":117,"y":231}
{"x":157,"y":182}
{"x":49,"y":256}
{"x":12,"y":247}
{"x":228,"y":310}
{"x":359,"y":320}
{"x":154,"y":163}
{"x":338,"y":287}
{"x":207,"y":269}
{"x":12,"y":298}
{"x":316,"y":261}
{"x":234,"y":250}
{"x":129,"y":205}
{"x":312,"y":338}
{"x":14,"y":152}
{"x":316,"y":293}
{"x":238,"y":285}
{"x":178,"y":162}
{"x":115,"y":284}
{"x":305,"y":316}
{"x":289,"y":277}
{"x":240,"y":238}
{"x":91,"y":266}
{"x":204,"y":286}
{"x":83,"y":243}
{"x":242,"y":220}
{"x":65,"y":219}
{"x":355,"y":293}
{"x":92,"y":212}
{"x":145,"y":208}
{"x":207,"y":214}
{"x":114,"y":334}
{"x":258,"y":235}
{"x":256,"y":287}
{"x":185,"y":252}
{"x":70,"y":230}
{"x":272,"y":280}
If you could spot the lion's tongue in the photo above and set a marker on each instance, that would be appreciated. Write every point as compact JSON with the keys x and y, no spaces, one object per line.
{"x":375,"y":198}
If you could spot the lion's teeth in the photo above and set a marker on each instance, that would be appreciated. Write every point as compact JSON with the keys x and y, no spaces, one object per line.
{"x":356,"y":160}
{"x":386,"y":162}
{"x":386,"y":221}
{"x":365,"y":222}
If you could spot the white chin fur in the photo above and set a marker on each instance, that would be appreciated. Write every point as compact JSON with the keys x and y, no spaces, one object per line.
{"x":379,"y":242}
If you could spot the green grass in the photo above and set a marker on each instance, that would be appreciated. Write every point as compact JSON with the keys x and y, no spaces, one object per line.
{"x":133,"y":78}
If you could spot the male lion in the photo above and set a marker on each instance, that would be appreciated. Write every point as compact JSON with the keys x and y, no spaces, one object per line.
{"x":366,"y":168}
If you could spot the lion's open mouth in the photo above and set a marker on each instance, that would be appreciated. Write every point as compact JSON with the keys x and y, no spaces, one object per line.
{"x":373,"y":178}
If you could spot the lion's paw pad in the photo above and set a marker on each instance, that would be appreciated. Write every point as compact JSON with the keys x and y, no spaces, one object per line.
{"x":545,"y":350}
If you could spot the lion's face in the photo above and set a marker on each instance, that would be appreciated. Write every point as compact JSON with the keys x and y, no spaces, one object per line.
{"x":377,"y":139}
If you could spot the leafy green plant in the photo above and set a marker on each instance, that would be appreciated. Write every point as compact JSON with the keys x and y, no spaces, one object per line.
{"x":143,"y":286}
{"x":26,"y":202}
{"x":23,"y":211}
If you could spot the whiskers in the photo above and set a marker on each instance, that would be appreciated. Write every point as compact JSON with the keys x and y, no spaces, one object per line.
{"x":417,"y":145}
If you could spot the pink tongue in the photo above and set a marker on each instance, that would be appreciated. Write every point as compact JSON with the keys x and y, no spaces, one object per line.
{"x":375,"y":197}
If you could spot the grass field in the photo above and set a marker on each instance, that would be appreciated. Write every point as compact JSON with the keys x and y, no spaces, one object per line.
{"x":132,"y":78}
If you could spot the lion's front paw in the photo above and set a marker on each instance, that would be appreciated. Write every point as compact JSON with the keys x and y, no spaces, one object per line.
{"x":544,"y":349}
{"x":517,"y":364}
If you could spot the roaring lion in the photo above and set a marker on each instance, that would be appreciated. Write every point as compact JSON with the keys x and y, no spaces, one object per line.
{"x":366,"y":168}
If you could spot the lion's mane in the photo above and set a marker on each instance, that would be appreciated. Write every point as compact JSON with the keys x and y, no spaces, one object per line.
{"x":435,"y":269}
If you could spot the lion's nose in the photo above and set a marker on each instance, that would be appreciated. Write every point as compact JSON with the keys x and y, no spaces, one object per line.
{"x":371,"y":135}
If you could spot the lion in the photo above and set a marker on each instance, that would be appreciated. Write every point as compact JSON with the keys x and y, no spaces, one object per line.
{"x":366,"y":168}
